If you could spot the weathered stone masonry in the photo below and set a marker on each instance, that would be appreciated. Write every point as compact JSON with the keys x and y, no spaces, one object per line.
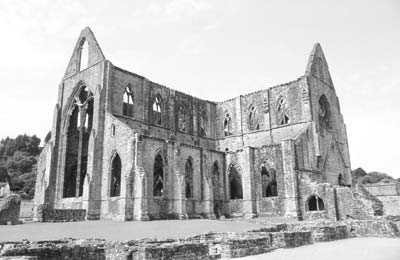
{"x":126,"y":148}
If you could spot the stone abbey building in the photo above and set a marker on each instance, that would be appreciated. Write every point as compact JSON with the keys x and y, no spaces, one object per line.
{"x":126,"y":148}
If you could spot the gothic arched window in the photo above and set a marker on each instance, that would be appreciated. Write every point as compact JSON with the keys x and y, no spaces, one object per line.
{"x":315,"y":203}
{"x":227,"y":125}
{"x":84,"y":55}
{"x":324,"y":113}
{"x":252,"y":120}
{"x":269,"y":183}
{"x":235,"y":184}
{"x":282,"y":112}
{"x":115,"y":189}
{"x":203,"y":123}
{"x":127,"y":109}
{"x":80,"y":122}
{"x":158,"y":176}
{"x":189,"y":178}
{"x":157,"y":110}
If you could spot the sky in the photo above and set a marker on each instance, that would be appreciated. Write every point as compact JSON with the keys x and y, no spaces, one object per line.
{"x":214,"y":50}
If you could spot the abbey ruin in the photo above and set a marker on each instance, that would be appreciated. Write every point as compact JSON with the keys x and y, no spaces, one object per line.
{"x":126,"y":148}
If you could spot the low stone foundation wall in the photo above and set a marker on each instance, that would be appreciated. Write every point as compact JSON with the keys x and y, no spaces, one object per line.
{"x":204,"y":246}
{"x":46,"y":213}
{"x":9,"y":210}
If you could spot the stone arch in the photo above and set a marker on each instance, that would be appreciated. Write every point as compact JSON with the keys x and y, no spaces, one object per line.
{"x":269,"y":187}
{"x":79,"y":123}
{"x":189,"y":178}
{"x":315,"y":203}
{"x":115,"y":175}
{"x":324,"y":112}
{"x":235,"y":182}
{"x":158,"y":175}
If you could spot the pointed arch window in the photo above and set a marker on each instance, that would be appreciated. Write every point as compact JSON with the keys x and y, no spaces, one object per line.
{"x":252,"y":119}
{"x":235,"y":184}
{"x":189,"y":178}
{"x":127,"y":109}
{"x":84,"y":55}
{"x":157,"y":110}
{"x":115,"y":189}
{"x":324,"y":112}
{"x":227,"y":125}
{"x":282,"y":112}
{"x":80,"y":124}
{"x":269,"y":183}
{"x":158,"y":176}
{"x":203,"y":123}
{"x":315,"y":203}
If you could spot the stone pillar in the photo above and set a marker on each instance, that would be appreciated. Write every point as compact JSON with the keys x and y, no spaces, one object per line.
{"x":207,"y":200}
{"x":140,"y":203}
{"x":179,"y":182}
{"x":290,"y":178}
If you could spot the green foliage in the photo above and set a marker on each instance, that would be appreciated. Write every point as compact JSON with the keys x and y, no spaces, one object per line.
{"x":19,"y":158}
{"x":3,"y":174}
{"x":371,"y":178}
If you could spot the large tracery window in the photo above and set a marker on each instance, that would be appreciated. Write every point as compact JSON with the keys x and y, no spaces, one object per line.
{"x":157,"y":110}
{"x":252,"y":119}
{"x":315,"y":203}
{"x":227,"y":125}
{"x":80,"y":123}
{"x":115,"y":189}
{"x":235,"y":183}
{"x":127,"y":109}
{"x":158,"y":176}
{"x":282,"y":112}
{"x":189,"y":178}
{"x":324,"y":113}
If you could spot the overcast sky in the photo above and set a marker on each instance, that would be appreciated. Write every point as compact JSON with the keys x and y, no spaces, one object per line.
{"x":213,"y":50}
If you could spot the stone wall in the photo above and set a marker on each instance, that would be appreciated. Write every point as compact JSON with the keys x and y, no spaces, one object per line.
{"x":9,"y":210}
{"x":204,"y":246}
{"x":46,"y":213}
{"x":389,"y":194}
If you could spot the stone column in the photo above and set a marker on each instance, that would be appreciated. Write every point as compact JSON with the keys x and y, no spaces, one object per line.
{"x":140,"y":204}
{"x":179,"y":182}
{"x":290,"y":178}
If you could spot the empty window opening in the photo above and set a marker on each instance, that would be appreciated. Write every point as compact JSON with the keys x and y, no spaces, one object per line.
{"x":252,"y":120}
{"x":189,"y":178}
{"x":227,"y":125}
{"x":72,"y":151}
{"x":158,"y":176}
{"x":235,"y":183}
{"x":282,"y":112}
{"x":157,"y":110}
{"x":324,"y":113}
{"x":84,"y":55}
{"x":269,"y":184}
{"x":127,"y":109}
{"x":203,"y":123}
{"x":315,"y":203}
{"x":112,"y":130}
{"x":115,"y":177}
{"x":78,"y":134}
